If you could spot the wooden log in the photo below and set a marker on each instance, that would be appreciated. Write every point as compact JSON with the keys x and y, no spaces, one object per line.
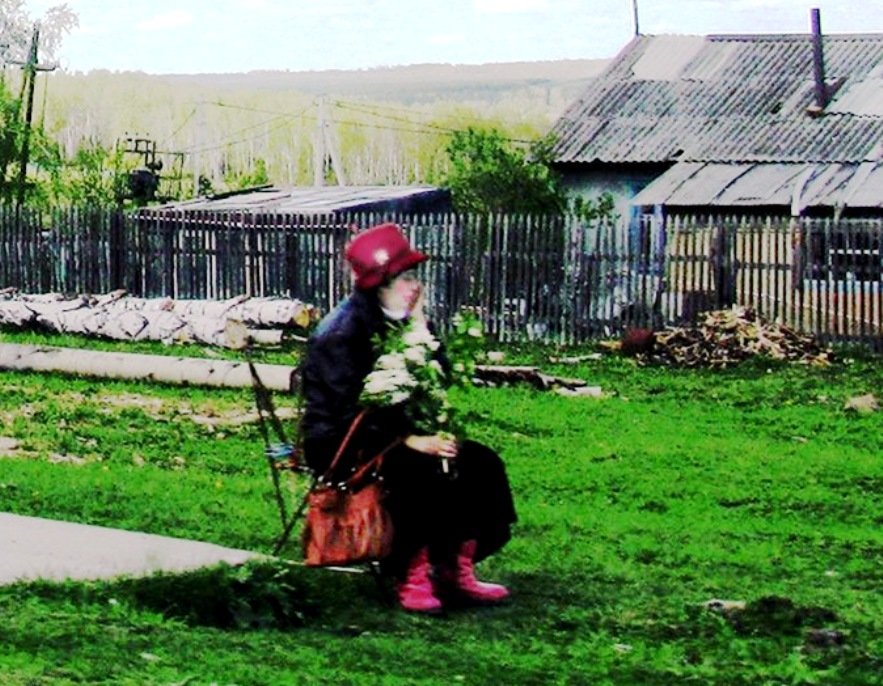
{"x":578,"y":359}
{"x":16,"y":314}
{"x":117,"y":317}
{"x":266,"y":337}
{"x":136,"y":366}
{"x":497,"y":374}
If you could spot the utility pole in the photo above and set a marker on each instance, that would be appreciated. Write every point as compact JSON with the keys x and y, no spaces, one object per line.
{"x":319,"y":147}
{"x":333,"y":146}
{"x":30,"y":68}
{"x":197,"y":143}
{"x":326,"y":146}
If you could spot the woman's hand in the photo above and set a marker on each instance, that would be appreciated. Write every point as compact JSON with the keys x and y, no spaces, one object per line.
{"x":417,"y":308}
{"x":435,"y":444}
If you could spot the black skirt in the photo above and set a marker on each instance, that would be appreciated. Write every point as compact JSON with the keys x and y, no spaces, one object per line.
{"x":438,"y":510}
{"x":442,"y":510}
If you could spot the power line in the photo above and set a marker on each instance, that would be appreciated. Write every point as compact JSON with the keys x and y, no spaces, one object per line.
{"x":372,"y":110}
{"x":228,"y":141}
{"x":415,"y":127}
{"x":364,"y":125}
{"x":183,"y":124}
{"x":224,"y":144}
{"x":256,"y":109}
{"x":345,"y":106}
{"x":279,"y":116}
{"x":433,"y":128}
{"x":377,"y":106}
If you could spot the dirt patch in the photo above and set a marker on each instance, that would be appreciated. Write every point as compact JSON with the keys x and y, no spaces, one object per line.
{"x":154,"y":407}
{"x":205,"y":414}
{"x":9,"y":447}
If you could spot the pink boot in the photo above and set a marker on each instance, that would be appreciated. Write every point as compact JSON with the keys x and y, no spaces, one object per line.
{"x":470,"y":587}
{"x":416,"y":593}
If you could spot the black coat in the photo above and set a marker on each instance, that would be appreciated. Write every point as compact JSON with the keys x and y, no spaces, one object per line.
{"x":339,"y":356}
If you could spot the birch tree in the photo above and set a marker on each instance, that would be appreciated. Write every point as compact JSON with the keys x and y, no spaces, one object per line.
{"x":17,"y":32}
{"x":17,"y":27}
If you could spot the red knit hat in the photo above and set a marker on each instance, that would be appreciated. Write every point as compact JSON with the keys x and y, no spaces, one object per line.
{"x":380,"y":253}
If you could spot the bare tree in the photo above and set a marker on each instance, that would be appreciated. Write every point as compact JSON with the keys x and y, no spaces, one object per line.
{"x":16,"y":29}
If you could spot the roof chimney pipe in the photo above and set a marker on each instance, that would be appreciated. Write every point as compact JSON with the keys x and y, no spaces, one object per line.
{"x":818,"y":63}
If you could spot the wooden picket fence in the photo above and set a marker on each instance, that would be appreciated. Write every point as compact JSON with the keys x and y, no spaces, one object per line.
{"x":551,"y":279}
{"x":819,"y":276}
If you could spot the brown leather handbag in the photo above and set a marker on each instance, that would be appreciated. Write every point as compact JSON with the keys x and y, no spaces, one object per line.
{"x":346,"y":522}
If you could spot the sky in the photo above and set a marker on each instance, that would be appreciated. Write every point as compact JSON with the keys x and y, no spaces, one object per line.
{"x":226,"y":36}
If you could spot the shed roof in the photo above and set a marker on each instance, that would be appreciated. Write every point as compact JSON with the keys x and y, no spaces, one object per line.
{"x":322,"y":200}
{"x":855,"y":185}
{"x":725,"y":98}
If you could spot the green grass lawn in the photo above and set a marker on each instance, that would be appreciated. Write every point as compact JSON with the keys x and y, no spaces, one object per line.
{"x":752,"y":485}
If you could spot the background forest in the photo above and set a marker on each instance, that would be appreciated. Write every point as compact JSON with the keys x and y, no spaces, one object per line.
{"x":211,"y":133}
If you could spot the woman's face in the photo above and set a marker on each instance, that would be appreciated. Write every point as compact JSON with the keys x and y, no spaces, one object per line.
{"x":401,"y":293}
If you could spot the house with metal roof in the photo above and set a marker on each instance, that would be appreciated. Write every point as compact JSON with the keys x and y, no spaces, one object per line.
{"x":732,"y":153}
{"x":782,"y":123}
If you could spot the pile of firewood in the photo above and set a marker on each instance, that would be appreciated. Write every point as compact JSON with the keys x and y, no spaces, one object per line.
{"x":119,"y":316}
{"x":726,"y":337}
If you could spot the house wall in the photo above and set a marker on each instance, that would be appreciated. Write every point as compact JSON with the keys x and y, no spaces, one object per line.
{"x":623,"y":182}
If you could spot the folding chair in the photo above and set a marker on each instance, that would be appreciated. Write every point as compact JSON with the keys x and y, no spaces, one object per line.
{"x":282,"y":456}
{"x":285,"y":457}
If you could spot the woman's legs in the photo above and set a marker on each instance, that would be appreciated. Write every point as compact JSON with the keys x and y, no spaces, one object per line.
{"x":418,"y":500}
{"x":460,"y":518}
{"x":484,"y":499}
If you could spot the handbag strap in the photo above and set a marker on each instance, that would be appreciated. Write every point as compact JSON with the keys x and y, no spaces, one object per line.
{"x":343,"y":444}
{"x":373,"y":463}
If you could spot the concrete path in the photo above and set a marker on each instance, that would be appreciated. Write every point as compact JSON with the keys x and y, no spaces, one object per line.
{"x":32,"y":548}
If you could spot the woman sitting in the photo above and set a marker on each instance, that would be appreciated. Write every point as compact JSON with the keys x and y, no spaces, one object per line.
{"x":445,"y":518}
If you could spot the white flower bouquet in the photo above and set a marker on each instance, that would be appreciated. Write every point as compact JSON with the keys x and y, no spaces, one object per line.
{"x":408,"y":373}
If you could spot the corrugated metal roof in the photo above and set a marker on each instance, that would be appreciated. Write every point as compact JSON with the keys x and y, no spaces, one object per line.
{"x":665,"y":58}
{"x":728,"y":98}
{"x":861,"y":98}
{"x":867,"y":193}
{"x":749,"y":185}
{"x":320,"y":199}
